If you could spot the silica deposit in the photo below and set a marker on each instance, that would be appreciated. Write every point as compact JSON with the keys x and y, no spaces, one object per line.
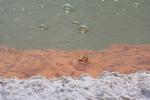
{"x":108,"y":86}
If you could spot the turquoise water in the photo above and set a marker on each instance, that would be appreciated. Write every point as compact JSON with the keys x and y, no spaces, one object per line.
{"x":40,"y":24}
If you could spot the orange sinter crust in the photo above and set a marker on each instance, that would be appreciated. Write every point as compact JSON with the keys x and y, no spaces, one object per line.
{"x":55,"y":63}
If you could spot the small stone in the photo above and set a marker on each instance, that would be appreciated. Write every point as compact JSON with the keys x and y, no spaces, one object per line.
{"x":1,"y":82}
{"x":146,"y":92}
{"x":83,"y":60}
{"x":125,"y":98}
{"x":86,"y":88}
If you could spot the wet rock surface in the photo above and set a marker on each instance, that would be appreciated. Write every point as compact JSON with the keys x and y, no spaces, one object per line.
{"x":108,"y":86}
{"x":55,"y":63}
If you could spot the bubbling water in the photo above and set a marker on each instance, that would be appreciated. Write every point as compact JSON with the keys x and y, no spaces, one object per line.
{"x":76,"y":22}
{"x":72,"y":18}
{"x":43,"y":27}
{"x":80,"y":27}
{"x":68,"y":8}
{"x":83,"y":29}
{"x":136,"y":5}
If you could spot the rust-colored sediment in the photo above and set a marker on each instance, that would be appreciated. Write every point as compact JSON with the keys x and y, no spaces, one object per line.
{"x":55,"y":63}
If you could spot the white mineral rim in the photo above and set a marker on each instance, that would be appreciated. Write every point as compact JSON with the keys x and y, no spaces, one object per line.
{"x":108,"y":86}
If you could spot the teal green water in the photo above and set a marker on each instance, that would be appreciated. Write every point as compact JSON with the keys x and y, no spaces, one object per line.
{"x":40,"y":24}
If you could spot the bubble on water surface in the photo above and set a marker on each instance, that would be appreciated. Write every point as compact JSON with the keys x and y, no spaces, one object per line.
{"x":12,"y":15}
{"x":33,"y":6}
{"x":43,"y":27}
{"x":42,"y":6}
{"x":123,"y":9}
{"x":68,"y":8}
{"x":118,"y":13}
{"x":136,"y":5}
{"x":76,"y":22}
{"x":116,"y":0}
{"x":1,"y":9}
{"x":83,"y":29}
{"x":14,"y":9}
{"x":17,"y":19}
{"x":29,"y":12}
{"x":23,"y":9}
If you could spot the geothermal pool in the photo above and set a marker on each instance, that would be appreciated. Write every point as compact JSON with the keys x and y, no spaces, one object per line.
{"x":73,"y":24}
{"x":121,"y":72}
